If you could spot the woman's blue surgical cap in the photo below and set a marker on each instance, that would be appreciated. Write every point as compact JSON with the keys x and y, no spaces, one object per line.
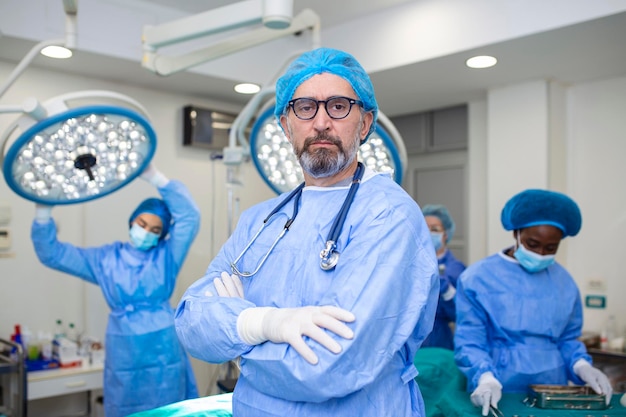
{"x":157,"y":207}
{"x":326,"y":60}
{"x":539,"y":207}
{"x":442,"y":213}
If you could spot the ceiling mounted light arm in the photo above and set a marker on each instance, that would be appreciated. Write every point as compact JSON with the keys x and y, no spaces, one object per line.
{"x":215,"y":21}
{"x":238,"y":144}
{"x":70,"y":7}
{"x":25,"y":62}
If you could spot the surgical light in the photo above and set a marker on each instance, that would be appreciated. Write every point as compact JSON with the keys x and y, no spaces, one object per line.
{"x":67,"y":153}
{"x":277,"y":164}
{"x":77,"y":154}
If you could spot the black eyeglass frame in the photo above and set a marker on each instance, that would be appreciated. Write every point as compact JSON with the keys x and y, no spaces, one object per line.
{"x":351,"y":101}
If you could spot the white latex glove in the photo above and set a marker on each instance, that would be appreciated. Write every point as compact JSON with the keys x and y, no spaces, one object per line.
{"x":154,"y":176}
{"x":43,"y":214}
{"x":488,"y":392}
{"x":594,"y":378}
{"x":287,"y":325}
{"x":228,"y":285}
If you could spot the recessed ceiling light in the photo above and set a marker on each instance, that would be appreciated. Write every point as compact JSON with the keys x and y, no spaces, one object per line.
{"x":58,"y":52}
{"x":482,"y":61}
{"x":247,"y":88}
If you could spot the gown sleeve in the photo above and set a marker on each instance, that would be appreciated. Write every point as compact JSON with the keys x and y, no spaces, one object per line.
{"x":64,"y":257}
{"x":471,"y":337}
{"x":571,"y":348}
{"x":186,"y":217}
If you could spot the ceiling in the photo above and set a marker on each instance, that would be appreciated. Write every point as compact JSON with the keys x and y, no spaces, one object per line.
{"x":593,"y":49}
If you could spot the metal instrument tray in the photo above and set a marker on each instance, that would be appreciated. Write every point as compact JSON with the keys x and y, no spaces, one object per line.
{"x":565,"y":397}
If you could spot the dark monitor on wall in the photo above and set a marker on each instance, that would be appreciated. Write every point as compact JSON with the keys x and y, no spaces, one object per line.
{"x":205,"y":128}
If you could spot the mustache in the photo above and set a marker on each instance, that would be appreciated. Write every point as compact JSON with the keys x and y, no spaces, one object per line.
{"x":322,"y":137}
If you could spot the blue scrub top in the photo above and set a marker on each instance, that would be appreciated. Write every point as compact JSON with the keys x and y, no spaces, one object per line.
{"x":442,"y":336}
{"x":522,"y":327}
{"x":387,"y":277}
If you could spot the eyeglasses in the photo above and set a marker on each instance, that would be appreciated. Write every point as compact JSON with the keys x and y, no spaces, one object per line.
{"x":337,"y":107}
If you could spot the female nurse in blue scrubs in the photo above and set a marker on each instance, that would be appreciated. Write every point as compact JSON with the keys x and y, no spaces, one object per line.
{"x":145,"y":365}
{"x":519,"y":312}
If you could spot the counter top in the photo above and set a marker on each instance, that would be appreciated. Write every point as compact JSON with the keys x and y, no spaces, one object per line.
{"x":61,"y":372}
{"x":62,"y":381}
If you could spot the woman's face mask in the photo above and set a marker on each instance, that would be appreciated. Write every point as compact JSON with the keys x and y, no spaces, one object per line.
{"x":437,"y":239}
{"x":141,"y":238}
{"x":531,"y":261}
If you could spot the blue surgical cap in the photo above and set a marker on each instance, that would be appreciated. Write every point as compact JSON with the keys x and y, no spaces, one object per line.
{"x":442,"y":213}
{"x":326,"y":60}
{"x":541,"y":207}
{"x":157,"y":207}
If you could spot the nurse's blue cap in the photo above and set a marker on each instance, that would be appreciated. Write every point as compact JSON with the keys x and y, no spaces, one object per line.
{"x":540,"y":207}
{"x":326,"y":60}
{"x":157,"y":207}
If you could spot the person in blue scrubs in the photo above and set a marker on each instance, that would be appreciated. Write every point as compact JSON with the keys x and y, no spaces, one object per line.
{"x":145,"y":364}
{"x":321,"y":342}
{"x":519,"y":312}
{"x":442,"y":229}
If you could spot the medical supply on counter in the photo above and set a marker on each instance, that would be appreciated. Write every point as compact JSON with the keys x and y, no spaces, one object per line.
{"x":610,"y":338}
{"x":72,"y":334}
{"x":59,"y":331}
{"x":16,"y":337}
{"x":565,"y":397}
{"x":65,"y":352}
{"x":45,"y":343}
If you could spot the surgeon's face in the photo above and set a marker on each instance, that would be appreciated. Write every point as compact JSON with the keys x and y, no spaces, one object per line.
{"x":326,"y":148}
{"x":542,"y":239}
{"x":150,"y":223}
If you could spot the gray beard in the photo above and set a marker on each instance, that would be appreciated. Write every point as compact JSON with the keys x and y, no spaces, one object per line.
{"x":324,"y":162}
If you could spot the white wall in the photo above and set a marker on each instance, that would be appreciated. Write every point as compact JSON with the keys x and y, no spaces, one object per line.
{"x":567,"y":138}
{"x":36,"y":296}
{"x":596,"y":132}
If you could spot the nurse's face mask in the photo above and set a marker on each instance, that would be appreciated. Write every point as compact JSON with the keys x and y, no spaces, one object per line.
{"x":145,"y":231}
{"x":531,"y":261}
{"x":437,"y":238}
{"x":436,"y":231}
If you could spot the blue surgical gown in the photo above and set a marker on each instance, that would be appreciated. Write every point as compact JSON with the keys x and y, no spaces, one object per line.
{"x":441,"y":336}
{"x":387,"y":276}
{"x":145,"y":364}
{"x":522,"y":327}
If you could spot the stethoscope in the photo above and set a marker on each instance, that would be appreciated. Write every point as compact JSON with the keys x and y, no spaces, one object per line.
{"x":328,"y":256}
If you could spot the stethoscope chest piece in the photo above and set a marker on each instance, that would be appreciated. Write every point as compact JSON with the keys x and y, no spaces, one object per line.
{"x":329,"y":256}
